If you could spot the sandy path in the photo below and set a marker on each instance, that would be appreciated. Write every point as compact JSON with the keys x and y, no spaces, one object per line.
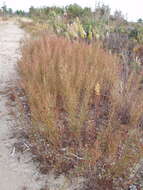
{"x":15,"y":174}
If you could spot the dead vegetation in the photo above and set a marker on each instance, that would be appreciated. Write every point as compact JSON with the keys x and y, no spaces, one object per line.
{"x":85,"y":116}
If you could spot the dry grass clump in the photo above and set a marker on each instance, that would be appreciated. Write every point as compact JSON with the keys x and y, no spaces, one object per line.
{"x":89,"y":118}
{"x":33,"y":27}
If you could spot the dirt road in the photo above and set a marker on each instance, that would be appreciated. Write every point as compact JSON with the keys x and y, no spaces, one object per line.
{"x":15,"y":174}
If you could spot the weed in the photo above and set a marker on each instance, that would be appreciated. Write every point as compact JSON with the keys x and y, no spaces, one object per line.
{"x":87,"y":116}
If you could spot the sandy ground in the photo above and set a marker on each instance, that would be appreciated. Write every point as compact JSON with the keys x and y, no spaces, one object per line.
{"x":15,"y":174}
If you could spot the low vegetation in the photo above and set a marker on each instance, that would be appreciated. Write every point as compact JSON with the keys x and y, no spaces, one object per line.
{"x":82,"y":75}
{"x":89,"y":115}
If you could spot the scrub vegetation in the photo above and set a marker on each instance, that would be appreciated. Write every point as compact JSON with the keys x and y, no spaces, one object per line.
{"x":81,"y":72}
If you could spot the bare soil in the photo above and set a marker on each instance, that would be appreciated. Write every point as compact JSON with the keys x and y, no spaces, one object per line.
{"x":17,"y":172}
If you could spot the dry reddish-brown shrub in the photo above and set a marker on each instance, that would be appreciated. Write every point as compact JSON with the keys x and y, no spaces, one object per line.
{"x":88,"y":115}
